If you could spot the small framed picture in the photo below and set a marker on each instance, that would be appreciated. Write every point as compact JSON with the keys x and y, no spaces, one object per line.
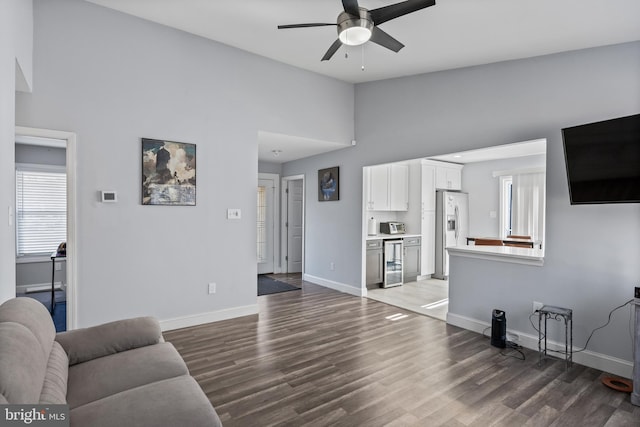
{"x":329,"y":184}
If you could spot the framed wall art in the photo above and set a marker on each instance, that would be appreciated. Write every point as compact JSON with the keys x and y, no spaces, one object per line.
{"x":168,"y":173}
{"x":329,"y":184}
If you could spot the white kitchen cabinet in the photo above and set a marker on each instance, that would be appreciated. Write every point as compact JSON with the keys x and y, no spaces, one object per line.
{"x":378,"y":189}
{"x":428,"y":187}
{"x":399,"y":187}
{"x":388,"y":188}
{"x":428,"y":264}
{"x":449,"y":177}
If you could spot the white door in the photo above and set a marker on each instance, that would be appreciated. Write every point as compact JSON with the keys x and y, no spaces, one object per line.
{"x":295,"y":225}
{"x":265,"y":224}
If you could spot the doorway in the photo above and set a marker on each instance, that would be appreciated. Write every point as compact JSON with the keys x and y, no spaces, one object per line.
{"x":33,"y":137}
{"x":293,"y":224}
{"x":267,"y":223}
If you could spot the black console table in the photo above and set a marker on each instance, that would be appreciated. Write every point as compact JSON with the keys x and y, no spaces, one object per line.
{"x":556,"y":313}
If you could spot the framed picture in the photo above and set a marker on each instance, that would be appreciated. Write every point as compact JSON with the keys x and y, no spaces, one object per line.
{"x":168,"y":173}
{"x":329,"y":184}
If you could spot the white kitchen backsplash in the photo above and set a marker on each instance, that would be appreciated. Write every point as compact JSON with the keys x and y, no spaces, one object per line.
{"x":384,"y":216}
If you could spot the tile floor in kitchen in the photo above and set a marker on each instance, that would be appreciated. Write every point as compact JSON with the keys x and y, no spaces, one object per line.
{"x":428,"y":297}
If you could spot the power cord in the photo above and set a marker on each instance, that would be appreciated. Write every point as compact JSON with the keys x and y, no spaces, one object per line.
{"x":542,"y":336}
{"x":510,"y":345}
{"x":515,"y":347}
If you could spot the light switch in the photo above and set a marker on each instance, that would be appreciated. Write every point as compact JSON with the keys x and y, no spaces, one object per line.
{"x":493,"y":214}
{"x":234,"y":214}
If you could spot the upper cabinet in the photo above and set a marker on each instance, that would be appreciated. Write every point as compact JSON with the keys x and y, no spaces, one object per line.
{"x":428,"y":187}
{"x":449,"y":176}
{"x":378,"y":188}
{"x":388,"y":187}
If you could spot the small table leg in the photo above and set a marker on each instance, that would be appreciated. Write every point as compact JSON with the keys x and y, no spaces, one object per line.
{"x":53,"y":289}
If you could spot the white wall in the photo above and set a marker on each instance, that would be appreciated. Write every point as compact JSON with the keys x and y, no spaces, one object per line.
{"x":269,"y":167}
{"x":113,"y":79}
{"x":15,"y":47}
{"x":592,"y":252}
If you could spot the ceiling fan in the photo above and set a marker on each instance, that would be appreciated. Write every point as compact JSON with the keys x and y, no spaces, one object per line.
{"x":357,"y":25}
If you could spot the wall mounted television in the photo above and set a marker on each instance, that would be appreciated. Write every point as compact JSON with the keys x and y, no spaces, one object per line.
{"x":603,"y":161}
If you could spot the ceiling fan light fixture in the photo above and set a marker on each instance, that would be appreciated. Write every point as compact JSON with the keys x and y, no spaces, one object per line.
{"x":354,"y":31}
{"x":355,"y":36}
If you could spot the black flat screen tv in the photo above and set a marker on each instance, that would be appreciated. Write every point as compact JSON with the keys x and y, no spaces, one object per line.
{"x":603,"y":161}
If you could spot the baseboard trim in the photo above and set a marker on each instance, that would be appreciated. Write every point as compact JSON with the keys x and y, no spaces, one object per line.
{"x":213,"y":316}
{"x":603,"y":362}
{"x":341,"y":287}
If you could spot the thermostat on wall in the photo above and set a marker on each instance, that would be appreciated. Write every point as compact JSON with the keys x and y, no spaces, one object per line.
{"x":109,"y":196}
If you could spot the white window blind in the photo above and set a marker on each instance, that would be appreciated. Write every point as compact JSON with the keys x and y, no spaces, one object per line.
{"x":41,"y":210}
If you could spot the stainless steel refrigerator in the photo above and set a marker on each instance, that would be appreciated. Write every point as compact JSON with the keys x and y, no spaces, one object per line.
{"x":452,"y":225}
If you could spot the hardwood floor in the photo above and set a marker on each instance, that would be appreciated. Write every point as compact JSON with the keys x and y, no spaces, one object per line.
{"x":323,"y":358}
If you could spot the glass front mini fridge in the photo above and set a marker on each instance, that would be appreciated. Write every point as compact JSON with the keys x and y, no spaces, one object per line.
{"x":392,"y":263}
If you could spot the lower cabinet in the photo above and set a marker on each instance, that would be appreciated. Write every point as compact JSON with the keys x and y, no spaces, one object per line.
{"x":412,"y":258}
{"x":375,"y":266}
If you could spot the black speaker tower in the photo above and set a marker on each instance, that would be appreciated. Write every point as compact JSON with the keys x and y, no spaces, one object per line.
{"x":498,"y":329}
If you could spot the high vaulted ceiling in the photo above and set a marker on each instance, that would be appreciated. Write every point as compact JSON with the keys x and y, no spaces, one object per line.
{"x":451,"y":34}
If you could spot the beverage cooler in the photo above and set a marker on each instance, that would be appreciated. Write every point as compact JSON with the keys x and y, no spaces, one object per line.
{"x":392,"y":263}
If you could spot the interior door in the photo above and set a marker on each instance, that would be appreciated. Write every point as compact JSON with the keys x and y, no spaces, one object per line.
{"x":265,"y":224}
{"x":295,"y":225}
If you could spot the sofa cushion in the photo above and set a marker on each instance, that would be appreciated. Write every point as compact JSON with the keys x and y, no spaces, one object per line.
{"x":177,"y":401}
{"x":85,"y":344}
{"x":22,"y":364}
{"x":34,"y":316}
{"x":54,"y":390}
{"x":112,"y":374}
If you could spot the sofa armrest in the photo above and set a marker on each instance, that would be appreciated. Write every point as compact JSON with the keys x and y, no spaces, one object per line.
{"x":86,"y":344}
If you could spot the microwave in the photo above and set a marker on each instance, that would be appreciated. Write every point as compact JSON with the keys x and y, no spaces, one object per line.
{"x":392,"y":228}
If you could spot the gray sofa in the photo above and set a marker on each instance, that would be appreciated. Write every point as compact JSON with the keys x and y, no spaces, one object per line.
{"x":117,"y":374}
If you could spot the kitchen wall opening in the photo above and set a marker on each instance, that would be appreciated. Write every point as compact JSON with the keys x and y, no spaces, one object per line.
{"x":414,"y":210}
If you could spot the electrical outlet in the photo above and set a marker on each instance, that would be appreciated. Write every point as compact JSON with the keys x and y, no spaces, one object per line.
{"x":537,"y":306}
{"x":212,"y":288}
{"x":58,"y":266}
{"x":332,"y":266}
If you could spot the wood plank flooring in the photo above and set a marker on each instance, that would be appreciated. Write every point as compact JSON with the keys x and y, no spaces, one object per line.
{"x":323,"y":358}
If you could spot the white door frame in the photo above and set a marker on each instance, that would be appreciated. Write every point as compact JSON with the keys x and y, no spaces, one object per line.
{"x":276,"y":215}
{"x":283,"y":239}
{"x":72,"y":232}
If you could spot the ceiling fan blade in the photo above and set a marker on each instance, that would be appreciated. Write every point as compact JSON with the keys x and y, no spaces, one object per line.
{"x":383,"y":39}
{"x":334,"y":47}
{"x":351,"y":7}
{"x":387,"y":13}
{"x":315,"y":24}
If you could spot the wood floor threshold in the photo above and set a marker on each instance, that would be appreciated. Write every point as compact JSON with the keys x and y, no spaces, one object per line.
{"x":319,"y":357}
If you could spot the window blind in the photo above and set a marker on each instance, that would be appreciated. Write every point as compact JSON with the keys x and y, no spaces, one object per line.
{"x":41,"y":211}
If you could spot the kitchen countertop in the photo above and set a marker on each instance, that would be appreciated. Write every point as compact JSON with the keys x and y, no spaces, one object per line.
{"x":511,"y":254}
{"x":391,"y":236}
